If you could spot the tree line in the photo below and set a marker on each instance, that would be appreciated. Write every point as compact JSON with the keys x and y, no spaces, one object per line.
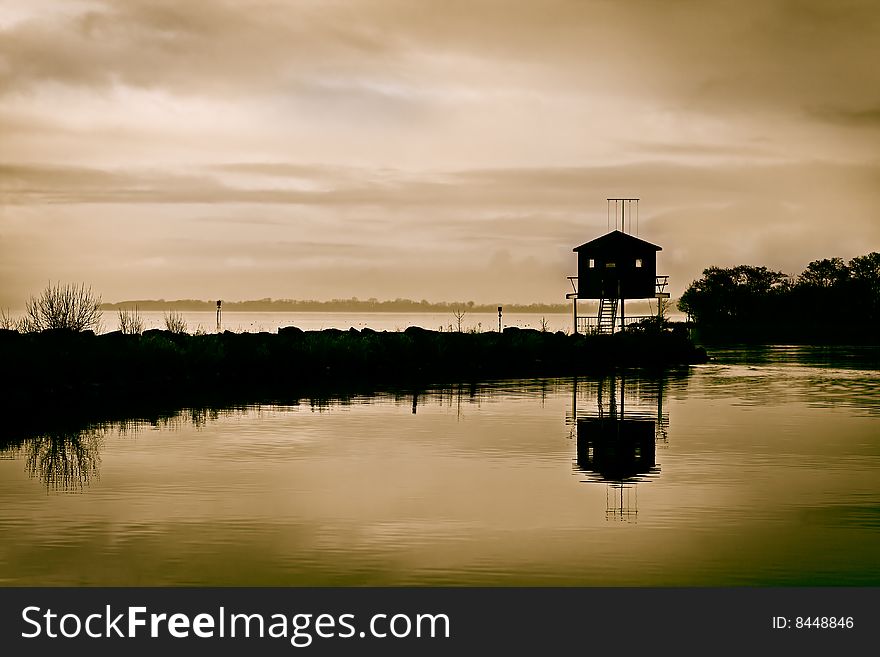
{"x":830,"y":300}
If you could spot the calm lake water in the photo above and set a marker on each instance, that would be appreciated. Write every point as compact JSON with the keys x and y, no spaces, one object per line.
{"x":762,"y":467}
{"x":251,"y":322}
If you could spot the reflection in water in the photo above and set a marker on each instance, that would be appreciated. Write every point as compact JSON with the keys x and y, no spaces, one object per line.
{"x":68,"y":459}
{"x":481,"y":487}
{"x":616,"y":429}
{"x":64,"y":461}
{"x":616,"y":440}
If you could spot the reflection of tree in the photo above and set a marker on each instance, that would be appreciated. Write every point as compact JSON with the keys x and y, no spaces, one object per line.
{"x":68,"y":459}
{"x":64,"y":460}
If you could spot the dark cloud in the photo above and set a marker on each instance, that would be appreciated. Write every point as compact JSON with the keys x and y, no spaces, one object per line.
{"x":714,"y":54}
{"x":868,"y":117}
{"x":190,"y":47}
{"x":261,"y":253}
{"x":30,"y":183}
{"x":569,"y":189}
{"x":726,"y":57}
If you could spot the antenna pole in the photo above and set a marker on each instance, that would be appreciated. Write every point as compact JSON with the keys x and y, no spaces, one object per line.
{"x":620,"y":205}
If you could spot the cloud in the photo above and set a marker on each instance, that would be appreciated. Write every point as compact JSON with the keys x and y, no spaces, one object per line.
{"x":667,"y":149}
{"x":189,"y":47}
{"x":709,"y":53}
{"x":520,"y":188}
{"x":445,"y":231}
{"x":408,"y":147}
{"x":868,"y":117}
{"x":461,"y":84}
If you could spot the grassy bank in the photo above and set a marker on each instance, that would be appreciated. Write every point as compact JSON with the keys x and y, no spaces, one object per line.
{"x":58,"y":369}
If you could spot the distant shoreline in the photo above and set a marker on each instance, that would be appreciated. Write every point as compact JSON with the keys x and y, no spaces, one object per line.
{"x":348,"y":305}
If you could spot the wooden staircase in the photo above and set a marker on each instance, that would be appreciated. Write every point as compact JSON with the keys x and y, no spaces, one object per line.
{"x":607,"y":316}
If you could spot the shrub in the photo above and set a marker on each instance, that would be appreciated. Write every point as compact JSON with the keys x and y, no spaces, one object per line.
{"x":175,"y":322}
{"x":68,"y":306}
{"x":130,"y":322}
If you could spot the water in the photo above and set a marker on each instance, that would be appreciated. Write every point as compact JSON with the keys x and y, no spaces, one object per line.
{"x":251,"y":322}
{"x":762,"y":467}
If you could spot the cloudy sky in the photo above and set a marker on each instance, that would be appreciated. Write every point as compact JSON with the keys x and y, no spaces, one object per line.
{"x":438,"y":149}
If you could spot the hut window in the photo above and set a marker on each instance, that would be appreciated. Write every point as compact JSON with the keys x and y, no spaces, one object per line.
{"x":610,"y":265}
{"x":592,"y":263}
{"x":638,"y":263}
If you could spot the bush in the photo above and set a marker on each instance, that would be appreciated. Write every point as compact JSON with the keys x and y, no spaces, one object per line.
{"x":130,"y":322}
{"x":71,"y":307}
{"x":175,"y":322}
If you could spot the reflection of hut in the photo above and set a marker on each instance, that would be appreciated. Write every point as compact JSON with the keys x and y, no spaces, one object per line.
{"x":619,"y":453}
{"x":612,"y":449}
{"x":616,"y":445}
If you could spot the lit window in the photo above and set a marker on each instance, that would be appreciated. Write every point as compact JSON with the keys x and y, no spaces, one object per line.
{"x":610,"y":265}
{"x":638,"y":262}
{"x":592,"y":263}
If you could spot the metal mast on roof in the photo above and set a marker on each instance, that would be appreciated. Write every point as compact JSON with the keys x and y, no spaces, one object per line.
{"x":622,"y":208}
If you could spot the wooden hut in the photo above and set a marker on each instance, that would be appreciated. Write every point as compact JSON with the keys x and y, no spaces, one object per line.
{"x":612,"y":268}
{"x":617,"y":266}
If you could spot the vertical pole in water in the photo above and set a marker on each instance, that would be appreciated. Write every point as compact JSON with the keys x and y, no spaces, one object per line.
{"x":499,"y":319}
{"x":219,"y":302}
{"x":574,"y":315}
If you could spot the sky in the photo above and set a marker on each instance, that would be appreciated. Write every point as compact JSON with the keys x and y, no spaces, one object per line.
{"x":440,"y":150}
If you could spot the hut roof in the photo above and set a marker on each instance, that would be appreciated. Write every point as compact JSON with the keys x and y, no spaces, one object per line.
{"x":616,"y":240}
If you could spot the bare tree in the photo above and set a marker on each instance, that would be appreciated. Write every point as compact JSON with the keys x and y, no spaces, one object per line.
{"x":67,"y":306}
{"x":663,"y":309}
{"x":7,"y":321}
{"x":130,"y":322}
{"x":459,"y":315}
